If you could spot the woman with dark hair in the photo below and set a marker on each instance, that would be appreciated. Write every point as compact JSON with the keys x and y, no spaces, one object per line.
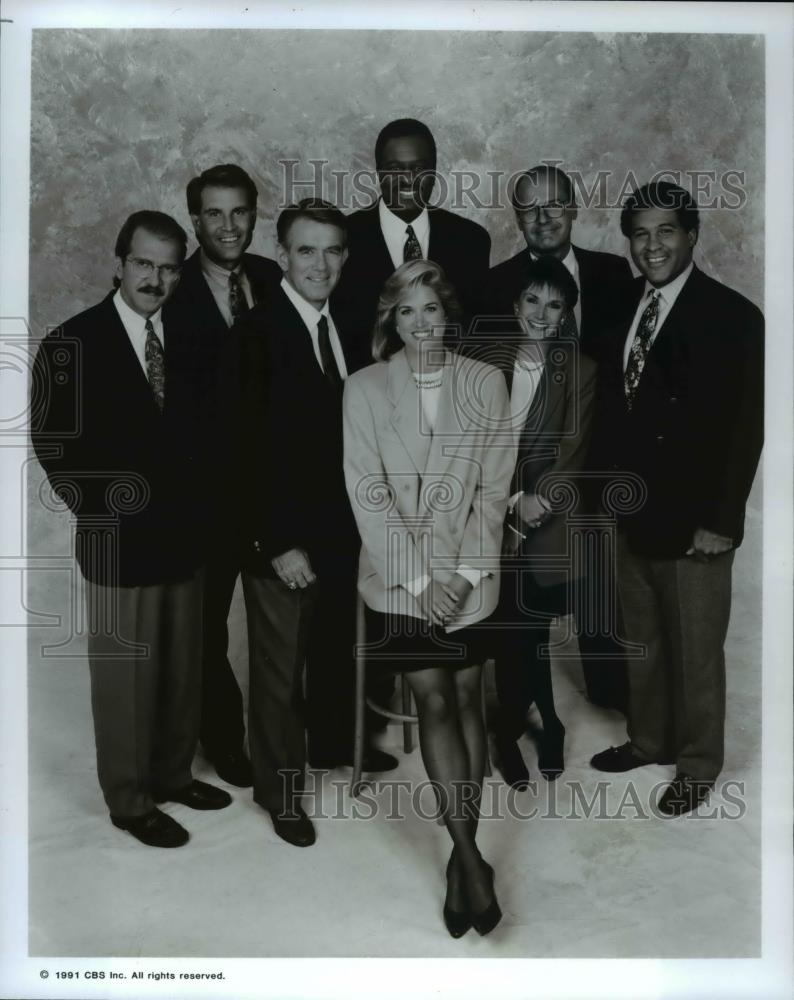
{"x":428,"y":460}
{"x":551,"y":386}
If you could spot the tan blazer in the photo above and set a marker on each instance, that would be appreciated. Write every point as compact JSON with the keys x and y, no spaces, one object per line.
{"x":428,"y":503}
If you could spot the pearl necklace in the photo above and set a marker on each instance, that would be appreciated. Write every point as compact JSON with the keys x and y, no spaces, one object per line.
{"x":431,"y":380}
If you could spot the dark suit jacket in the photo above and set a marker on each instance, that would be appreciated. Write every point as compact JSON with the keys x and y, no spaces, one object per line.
{"x":554,"y":442}
{"x":604,"y":283}
{"x":220,"y":376}
{"x":111,"y":454}
{"x":293,"y":489}
{"x":460,"y":246}
{"x":695,"y":431}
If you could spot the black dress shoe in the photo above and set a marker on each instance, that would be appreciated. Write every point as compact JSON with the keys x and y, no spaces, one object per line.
{"x":155,"y":829}
{"x":551,"y":762}
{"x":511,"y":763}
{"x":296,"y":827}
{"x":622,"y":758}
{"x":374,"y":760}
{"x":683,"y":795}
{"x":457,"y":922}
{"x":197,"y":795}
{"x":233,"y":768}
{"x":485,"y":921}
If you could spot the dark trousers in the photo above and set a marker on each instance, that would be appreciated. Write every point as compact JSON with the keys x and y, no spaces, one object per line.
{"x":679,"y":610}
{"x":144,"y":658}
{"x":222,"y":728}
{"x":280,"y":622}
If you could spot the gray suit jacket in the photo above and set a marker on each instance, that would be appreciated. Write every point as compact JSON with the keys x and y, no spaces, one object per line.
{"x":428,"y":503}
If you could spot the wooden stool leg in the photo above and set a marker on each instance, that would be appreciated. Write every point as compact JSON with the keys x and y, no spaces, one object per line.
{"x":408,"y":742}
{"x":358,"y":733}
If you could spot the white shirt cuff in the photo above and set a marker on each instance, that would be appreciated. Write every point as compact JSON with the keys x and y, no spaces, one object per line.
{"x":472,"y":575}
{"x":415,"y":587}
{"x":514,"y":500}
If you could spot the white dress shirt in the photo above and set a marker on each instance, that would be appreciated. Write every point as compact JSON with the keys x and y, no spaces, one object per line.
{"x":311,"y":317}
{"x":395,"y":232}
{"x":218,"y":280}
{"x":572,"y":266}
{"x":135,"y":325}
{"x":667,"y":295}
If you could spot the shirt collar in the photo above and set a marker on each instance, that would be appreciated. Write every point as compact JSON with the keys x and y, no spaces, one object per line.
{"x":394,"y":227}
{"x":669,"y":293}
{"x":213,"y":270}
{"x":131,"y":319}
{"x":309,"y":315}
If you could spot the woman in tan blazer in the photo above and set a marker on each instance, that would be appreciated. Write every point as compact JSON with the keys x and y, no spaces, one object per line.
{"x":428,"y":461}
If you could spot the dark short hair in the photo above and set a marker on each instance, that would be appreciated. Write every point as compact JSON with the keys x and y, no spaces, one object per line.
{"x":664,"y":195}
{"x":548,"y":272}
{"x":385,"y":339}
{"x":310,"y":208}
{"x":399,"y":129}
{"x":157,"y":224}
{"x":544,"y":169}
{"x":224,"y":175}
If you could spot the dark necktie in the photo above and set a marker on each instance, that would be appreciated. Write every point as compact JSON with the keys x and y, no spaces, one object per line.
{"x":640,"y":347}
{"x":570,"y":328}
{"x":330,"y":367}
{"x":238,"y":304}
{"x":155,"y":364}
{"x":412,"y":250}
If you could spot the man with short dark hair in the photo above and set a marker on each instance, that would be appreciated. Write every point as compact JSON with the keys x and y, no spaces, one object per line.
{"x":120,"y":436}
{"x":220,"y":283}
{"x":302,"y":546}
{"x":403,"y":226}
{"x":681,"y":408}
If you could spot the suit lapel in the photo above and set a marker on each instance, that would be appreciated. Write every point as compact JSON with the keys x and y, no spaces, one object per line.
{"x":405,"y":416}
{"x":123,"y":361}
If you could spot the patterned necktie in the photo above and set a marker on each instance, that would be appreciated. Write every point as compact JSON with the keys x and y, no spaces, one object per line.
{"x":412,"y":250}
{"x":640,"y":347}
{"x":330,"y":367}
{"x":238,"y":304}
{"x":570,"y":329}
{"x":155,"y":364}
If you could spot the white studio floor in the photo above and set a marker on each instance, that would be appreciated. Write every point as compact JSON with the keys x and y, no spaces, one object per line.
{"x":615,"y":887}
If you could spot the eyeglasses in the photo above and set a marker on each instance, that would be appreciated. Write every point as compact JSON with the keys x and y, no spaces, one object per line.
{"x":554,"y":210}
{"x":147,"y":267}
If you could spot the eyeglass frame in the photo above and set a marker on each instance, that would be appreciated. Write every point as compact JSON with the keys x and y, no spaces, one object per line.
{"x":148,"y":267}
{"x":554,"y":210}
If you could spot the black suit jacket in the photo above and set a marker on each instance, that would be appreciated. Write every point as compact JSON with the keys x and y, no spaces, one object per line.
{"x":460,"y":246}
{"x":293,"y":492}
{"x":112,"y":455}
{"x":604,"y":284}
{"x":695,"y":430}
{"x":219,"y":371}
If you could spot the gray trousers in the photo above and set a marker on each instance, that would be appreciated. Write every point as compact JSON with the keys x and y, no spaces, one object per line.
{"x":679,"y":610}
{"x":279,"y":620}
{"x":144,"y":655}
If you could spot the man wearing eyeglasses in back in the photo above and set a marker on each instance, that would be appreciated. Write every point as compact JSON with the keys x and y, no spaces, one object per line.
{"x":118,"y":424}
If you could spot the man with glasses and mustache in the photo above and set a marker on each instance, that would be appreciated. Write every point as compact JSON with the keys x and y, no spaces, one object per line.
{"x":220,"y":283}
{"x":119,"y":431}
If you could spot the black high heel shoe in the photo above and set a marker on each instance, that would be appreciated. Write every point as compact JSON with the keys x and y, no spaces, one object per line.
{"x":455,"y":921}
{"x":551,"y":762}
{"x":485,"y":921}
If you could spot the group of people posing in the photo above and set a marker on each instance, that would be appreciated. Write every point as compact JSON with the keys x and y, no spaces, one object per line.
{"x":377,"y":412}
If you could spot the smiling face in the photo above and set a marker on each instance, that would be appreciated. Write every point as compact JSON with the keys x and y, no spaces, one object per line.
{"x":312,"y":259}
{"x":146,"y":293}
{"x":660,"y":246}
{"x":543,"y":233}
{"x":225,"y":224}
{"x":419,"y":320}
{"x":406,"y":174}
{"x":540,"y":311}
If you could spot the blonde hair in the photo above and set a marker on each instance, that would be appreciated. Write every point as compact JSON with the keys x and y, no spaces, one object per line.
{"x":385,"y":339}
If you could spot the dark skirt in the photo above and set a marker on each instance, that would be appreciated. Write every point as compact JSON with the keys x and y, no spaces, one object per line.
{"x":401,"y":644}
